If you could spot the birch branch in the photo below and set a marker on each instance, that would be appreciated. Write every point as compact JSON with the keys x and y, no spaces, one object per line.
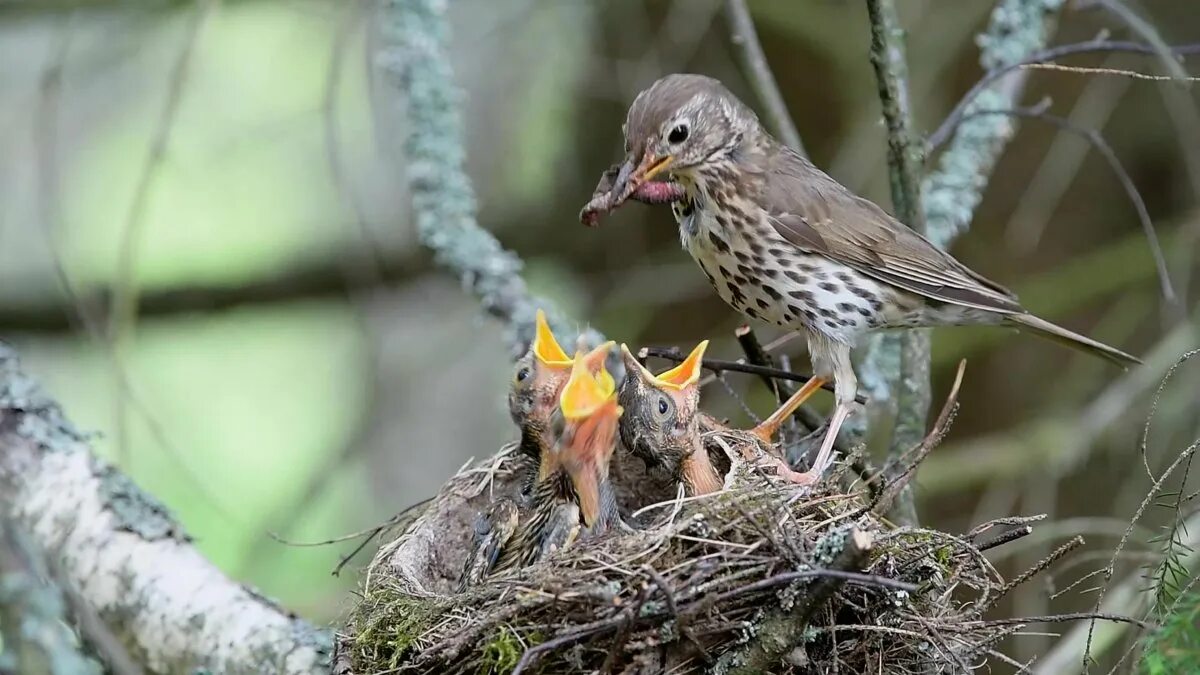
{"x":124,"y":554}
{"x":34,"y":637}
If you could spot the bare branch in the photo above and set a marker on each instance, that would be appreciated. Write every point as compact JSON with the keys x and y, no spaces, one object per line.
{"x":416,"y":55}
{"x":322,"y":278}
{"x":1110,"y":157}
{"x":950,"y":125}
{"x":762,"y":80}
{"x":911,"y":381}
{"x":125,"y":301}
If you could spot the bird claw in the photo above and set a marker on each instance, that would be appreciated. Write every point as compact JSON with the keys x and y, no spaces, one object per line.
{"x":806,"y":478}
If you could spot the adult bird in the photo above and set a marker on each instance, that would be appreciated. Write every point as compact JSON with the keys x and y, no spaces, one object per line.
{"x":784,"y":243}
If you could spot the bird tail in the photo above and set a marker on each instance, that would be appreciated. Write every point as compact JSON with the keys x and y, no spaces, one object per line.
{"x":1074,"y":340}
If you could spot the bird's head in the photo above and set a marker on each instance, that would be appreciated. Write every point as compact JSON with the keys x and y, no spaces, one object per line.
{"x":660,"y":424}
{"x":589,"y":414}
{"x":679,"y":124}
{"x":539,"y":375}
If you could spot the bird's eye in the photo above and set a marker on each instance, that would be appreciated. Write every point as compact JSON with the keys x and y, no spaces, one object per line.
{"x":522,"y":374}
{"x":678,"y":135}
{"x":664,"y":406}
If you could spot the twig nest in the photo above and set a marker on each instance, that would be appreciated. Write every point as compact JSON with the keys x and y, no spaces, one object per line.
{"x":762,"y":576}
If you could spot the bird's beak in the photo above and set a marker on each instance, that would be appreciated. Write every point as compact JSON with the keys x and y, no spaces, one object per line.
{"x":594,"y":362}
{"x":650,"y":166}
{"x":545,"y":347}
{"x":589,"y":405}
{"x":632,"y":366}
{"x":586,"y":459}
{"x":686,"y":373}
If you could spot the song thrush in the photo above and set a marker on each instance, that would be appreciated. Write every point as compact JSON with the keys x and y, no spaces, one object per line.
{"x":783,"y":242}
{"x":571,"y":489}
{"x":663,"y":424}
{"x":538,"y":379}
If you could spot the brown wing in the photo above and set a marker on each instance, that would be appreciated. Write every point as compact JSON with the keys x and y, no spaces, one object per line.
{"x":818,"y":214}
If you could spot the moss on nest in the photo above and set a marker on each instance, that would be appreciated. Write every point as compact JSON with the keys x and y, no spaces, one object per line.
{"x":755,"y":577}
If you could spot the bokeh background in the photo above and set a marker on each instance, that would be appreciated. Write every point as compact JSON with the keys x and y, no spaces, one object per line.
{"x":300,"y":366}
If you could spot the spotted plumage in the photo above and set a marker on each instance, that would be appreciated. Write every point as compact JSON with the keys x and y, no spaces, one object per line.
{"x":838,"y":266}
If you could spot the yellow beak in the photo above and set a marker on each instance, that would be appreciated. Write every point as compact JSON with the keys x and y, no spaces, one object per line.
{"x":546,"y":347}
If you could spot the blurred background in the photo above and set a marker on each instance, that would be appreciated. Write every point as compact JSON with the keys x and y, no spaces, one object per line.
{"x":299,"y":365}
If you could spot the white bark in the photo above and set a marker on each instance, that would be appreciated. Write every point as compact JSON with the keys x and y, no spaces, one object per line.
{"x":172,"y":609}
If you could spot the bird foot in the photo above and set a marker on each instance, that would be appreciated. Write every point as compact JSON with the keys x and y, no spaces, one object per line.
{"x":799,"y":478}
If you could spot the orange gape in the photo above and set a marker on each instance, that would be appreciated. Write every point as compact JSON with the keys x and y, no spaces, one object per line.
{"x":590,"y":413}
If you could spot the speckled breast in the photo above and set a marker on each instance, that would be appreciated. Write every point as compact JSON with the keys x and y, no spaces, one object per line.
{"x":765,"y":277}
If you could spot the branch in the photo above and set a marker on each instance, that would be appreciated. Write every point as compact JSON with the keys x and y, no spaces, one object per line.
{"x":34,"y":635}
{"x":1110,"y":157}
{"x":905,"y":160}
{"x":762,"y":80}
{"x":950,"y":124}
{"x":171,"y":609}
{"x":1017,"y":29}
{"x":1016,"y":32}
{"x":51,"y":311}
{"x":1131,"y":597}
{"x":444,"y":206}
{"x":718,"y":366}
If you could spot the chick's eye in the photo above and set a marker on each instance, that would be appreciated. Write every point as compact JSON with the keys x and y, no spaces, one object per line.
{"x":522,"y":374}
{"x":662,"y":406}
{"x":678,"y":135}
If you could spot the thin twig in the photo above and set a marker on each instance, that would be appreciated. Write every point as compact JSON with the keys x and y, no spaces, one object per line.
{"x":1004,"y":538}
{"x":762,"y":80}
{"x":1110,"y":157}
{"x":718,"y":366}
{"x":1040,"y":567}
{"x":125,"y":301}
{"x":1121,"y":72}
{"x":897,"y":485}
{"x":950,"y":124}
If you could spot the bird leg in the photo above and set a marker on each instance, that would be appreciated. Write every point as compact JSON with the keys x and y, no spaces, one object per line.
{"x":824,"y":456}
{"x":766,"y":429}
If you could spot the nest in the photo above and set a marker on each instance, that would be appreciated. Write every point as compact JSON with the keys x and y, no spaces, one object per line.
{"x":758,"y":577}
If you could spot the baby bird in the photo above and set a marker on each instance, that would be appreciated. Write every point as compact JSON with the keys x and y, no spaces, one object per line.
{"x":571,"y":489}
{"x":538,"y":379}
{"x":663,"y":424}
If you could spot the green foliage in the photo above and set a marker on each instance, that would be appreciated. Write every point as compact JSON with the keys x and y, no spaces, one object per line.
{"x":1175,"y":646}
{"x":388,"y":623}
{"x":504,"y":651}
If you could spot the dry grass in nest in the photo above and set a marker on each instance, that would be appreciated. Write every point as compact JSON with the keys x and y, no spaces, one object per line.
{"x":760,"y":577}
{"x":724,"y":582}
